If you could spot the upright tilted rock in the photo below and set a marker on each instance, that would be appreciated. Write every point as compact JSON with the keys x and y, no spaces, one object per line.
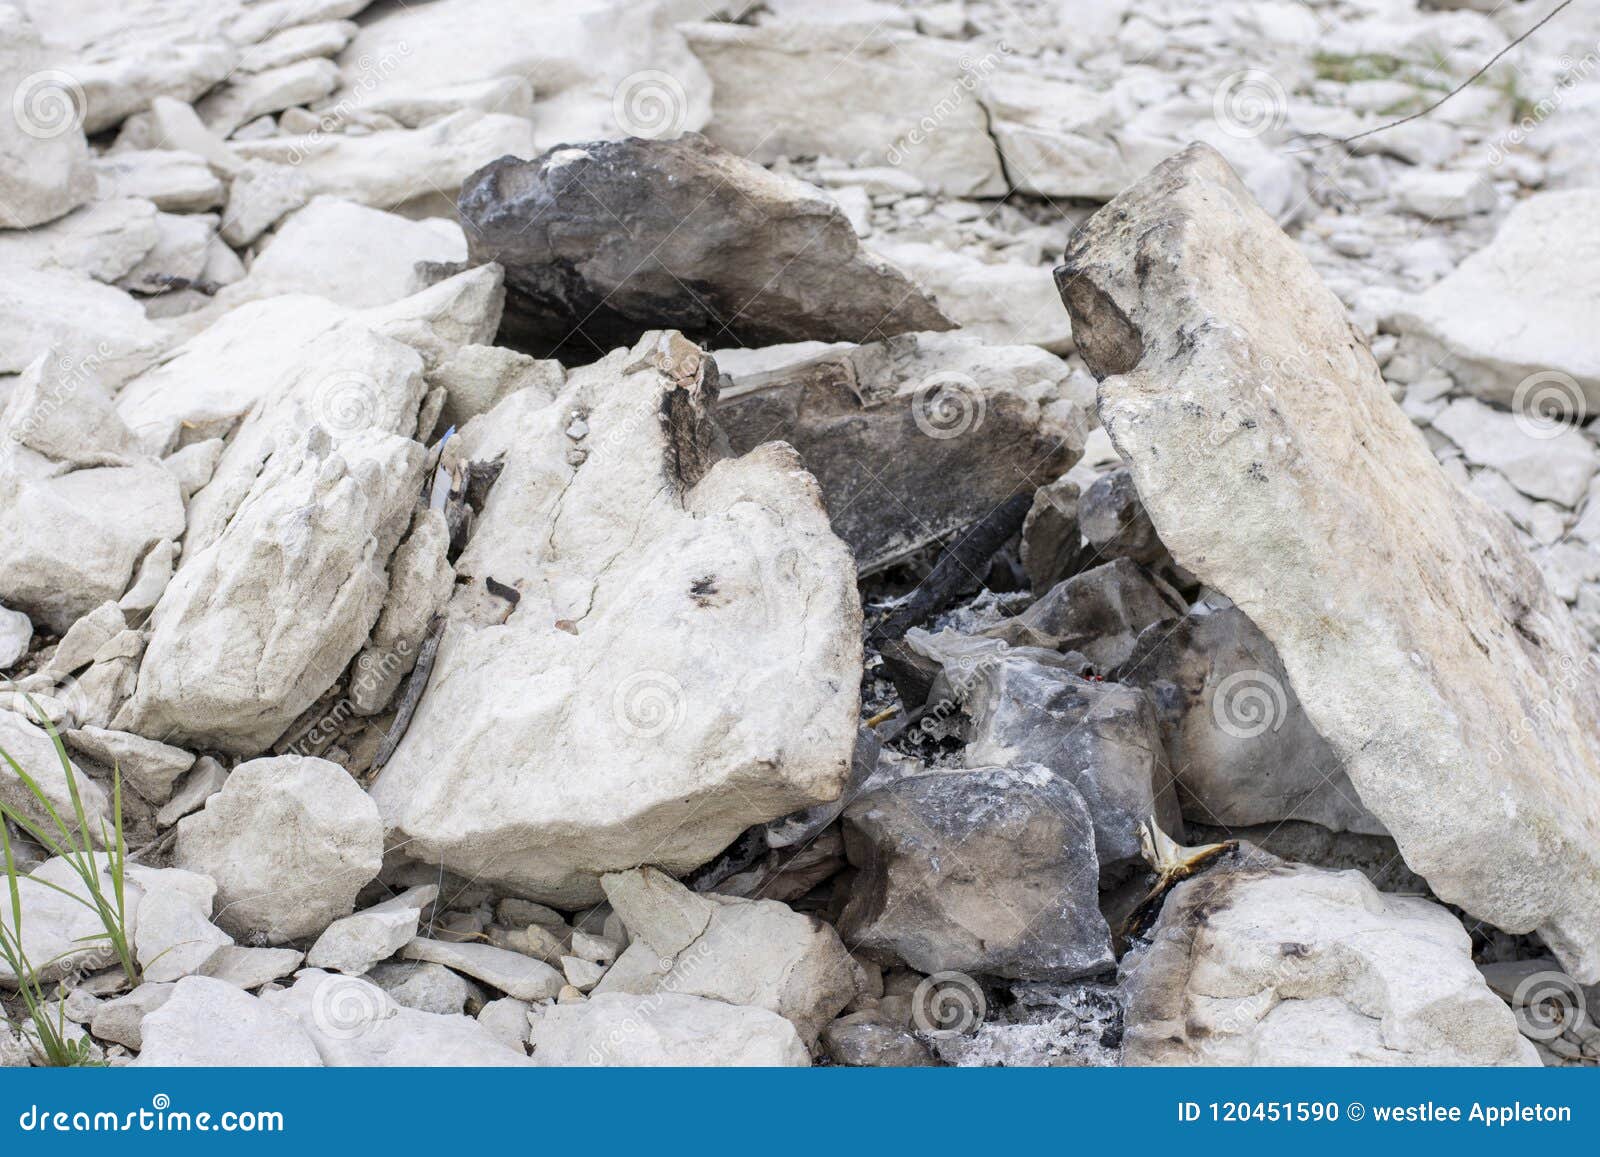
{"x":709,"y":244}
{"x":1421,"y":639}
{"x":651,"y":647}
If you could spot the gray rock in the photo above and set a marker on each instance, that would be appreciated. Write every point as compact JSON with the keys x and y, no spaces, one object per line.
{"x":887,"y":428}
{"x":868,"y":1039}
{"x":769,"y":258}
{"x":251,"y":968}
{"x":989,"y":871}
{"x":1052,"y":543}
{"x":1100,"y":737}
{"x":289,"y":841}
{"x":1241,"y":747}
{"x":1114,"y":522}
{"x":1098,"y":613}
{"x":44,"y":159}
{"x":1542,"y":463}
{"x":423,"y":986}
{"x":1420,"y":659}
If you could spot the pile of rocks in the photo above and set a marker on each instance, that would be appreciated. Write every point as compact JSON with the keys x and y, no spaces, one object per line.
{"x":692,"y":533}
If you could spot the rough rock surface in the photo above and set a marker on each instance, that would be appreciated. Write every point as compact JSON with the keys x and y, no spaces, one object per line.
{"x":1241,"y":748}
{"x":1100,"y":737}
{"x":991,"y":416}
{"x":631,"y":711}
{"x":354,"y":1023}
{"x":1544,"y":258}
{"x":989,"y":871}
{"x":44,"y":160}
{"x":751,"y":952}
{"x":1277,"y":964}
{"x":665,"y":1029}
{"x":717,"y":247}
{"x":210,"y":1023}
{"x":289,"y":841}
{"x":355,"y":943}
{"x":1259,"y":432}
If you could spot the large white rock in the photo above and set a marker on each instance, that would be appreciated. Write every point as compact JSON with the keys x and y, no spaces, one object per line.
{"x":863,"y":94}
{"x":1259,"y":432}
{"x":686,"y":641}
{"x":1002,"y":302}
{"x":103,"y":240}
{"x":355,"y":1023}
{"x":1278,"y":964}
{"x":754,"y":952}
{"x":289,"y":347}
{"x":175,"y":934}
{"x":78,"y":510}
{"x":1521,"y":306}
{"x":598,"y":68}
{"x":176,"y":180}
{"x":1542,"y":462}
{"x":666,"y":1029}
{"x":210,"y":1023}
{"x":347,"y":253}
{"x":85,"y":326}
{"x":61,"y":930}
{"x":289,"y":841}
{"x":256,"y":624}
{"x":44,"y":159}
{"x":391,"y":168}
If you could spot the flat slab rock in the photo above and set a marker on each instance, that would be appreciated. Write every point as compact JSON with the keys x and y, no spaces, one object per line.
{"x":682,"y":658}
{"x":886,"y":426}
{"x":714,"y":246}
{"x":1267,"y":963}
{"x":1260,"y":435}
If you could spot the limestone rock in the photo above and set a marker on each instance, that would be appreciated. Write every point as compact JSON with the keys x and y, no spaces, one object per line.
{"x":1052,"y":544}
{"x":1241,"y":747}
{"x":16,"y":633}
{"x":251,"y":968}
{"x":857,"y":92}
{"x":44,"y":159}
{"x":477,"y":378}
{"x":356,"y":1024}
{"x":769,"y":258}
{"x":347,"y":253}
{"x":86,"y":327}
{"x":250,"y":95}
{"x":630,"y":709}
{"x":989,"y":871}
{"x":120,"y":1019}
{"x":175,"y":935}
{"x":258,"y":623}
{"x":177,"y":181}
{"x":1518,"y":308}
{"x":210,"y":1023}
{"x":1100,"y":737}
{"x":355,"y":943}
{"x":869,"y":1039}
{"x":885,"y":427}
{"x":1001,"y":302}
{"x":152,"y":768}
{"x":749,"y":952}
{"x":289,"y":841}
{"x":1256,"y":446}
{"x":421,"y":582}
{"x":668,"y":1029}
{"x":1277,"y":964}
{"x":395,"y":167}
{"x":103,"y":240}
{"x":511,"y":972}
{"x":1542,"y":463}
{"x":599,"y":68}
{"x":61,"y":929}
{"x":31,"y":747}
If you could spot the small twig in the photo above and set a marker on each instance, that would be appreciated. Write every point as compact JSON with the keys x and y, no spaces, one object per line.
{"x":1551,"y":15}
{"x":415,"y":685}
